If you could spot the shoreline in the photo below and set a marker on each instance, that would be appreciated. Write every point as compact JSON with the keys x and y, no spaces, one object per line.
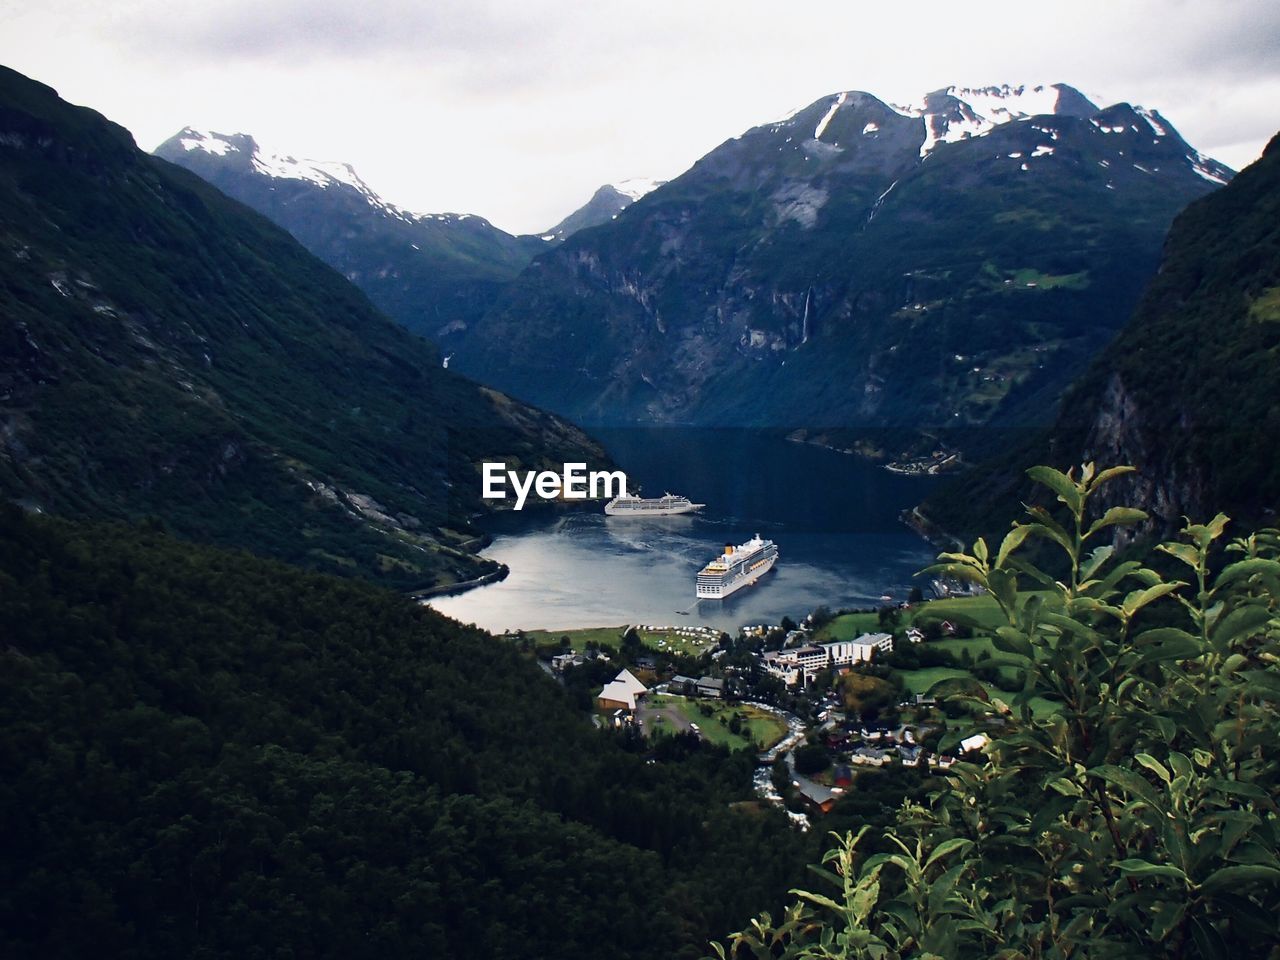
{"x":461,"y":586}
{"x":930,"y":531}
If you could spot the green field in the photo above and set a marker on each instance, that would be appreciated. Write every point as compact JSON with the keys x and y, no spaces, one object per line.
{"x":662,"y":641}
{"x":956,"y":646}
{"x":847,"y":626}
{"x":760,"y":730}
{"x":578,"y":639}
{"x":920,"y":681}
{"x":980,"y":611}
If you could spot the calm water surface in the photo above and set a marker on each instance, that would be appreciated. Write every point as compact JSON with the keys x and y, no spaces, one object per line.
{"x":833,"y":516}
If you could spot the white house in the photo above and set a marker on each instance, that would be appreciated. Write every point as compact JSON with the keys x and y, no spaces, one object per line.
{"x":622,"y":692}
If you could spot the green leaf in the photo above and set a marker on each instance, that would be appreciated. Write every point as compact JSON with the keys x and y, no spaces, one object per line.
{"x":1167,"y":643}
{"x":1128,"y":781}
{"x":1012,"y":540}
{"x":1241,"y":623}
{"x":1059,"y":483}
{"x":1141,"y":598}
{"x":1097,"y":558}
{"x":1144,"y":868}
{"x":946,"y":848}
{"x":1233,"y":876}
{"x":1182,"y":551}
{"x":1116,"y":517}
{"x":1110,"y":474}
{"x":1154,"y":765}
{"x":1067,"y":625}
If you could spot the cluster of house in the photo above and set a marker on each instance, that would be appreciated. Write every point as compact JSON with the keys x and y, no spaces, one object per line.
{"x":800,"y":664}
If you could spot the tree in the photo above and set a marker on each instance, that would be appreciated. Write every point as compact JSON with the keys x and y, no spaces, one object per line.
{"x":1139,"y":818}
{"x":811,"y":758}
{"x":866,"y":695}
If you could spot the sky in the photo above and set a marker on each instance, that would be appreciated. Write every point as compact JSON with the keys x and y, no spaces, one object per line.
{"x":517,"y":110}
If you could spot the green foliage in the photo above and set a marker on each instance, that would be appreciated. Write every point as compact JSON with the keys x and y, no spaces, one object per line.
{"x":1140,"y":818}
{"x":204,"y":754}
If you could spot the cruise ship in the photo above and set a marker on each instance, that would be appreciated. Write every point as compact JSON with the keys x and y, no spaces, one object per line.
{"x":667,"y":505}
{"x":736,"y":567}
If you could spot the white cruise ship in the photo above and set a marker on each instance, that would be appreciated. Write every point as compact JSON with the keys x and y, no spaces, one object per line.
{"x":736,"y":567}
{"x":667,"y":505}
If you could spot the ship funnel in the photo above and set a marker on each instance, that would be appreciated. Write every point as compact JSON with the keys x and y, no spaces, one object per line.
{"x":728,"y":549}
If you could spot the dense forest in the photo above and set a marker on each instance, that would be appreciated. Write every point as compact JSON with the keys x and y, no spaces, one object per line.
{"x":207,"y":754}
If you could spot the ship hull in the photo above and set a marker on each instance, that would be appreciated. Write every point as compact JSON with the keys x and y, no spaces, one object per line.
{"x":673,"y":510}
{"x":720,"y":591}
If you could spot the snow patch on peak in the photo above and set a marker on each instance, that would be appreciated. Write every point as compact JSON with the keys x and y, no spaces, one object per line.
{"x":215,"y":143}
{"x":826,"y":119}
{"x":1154,"y":121}
{"x":636,"y":187}
{"x":1004,"y":103}
{"x":1208,"y":168}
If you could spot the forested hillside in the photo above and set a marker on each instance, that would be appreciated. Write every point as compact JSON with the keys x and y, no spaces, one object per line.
{"x":165,"y":351}
{"x":204,"y":754}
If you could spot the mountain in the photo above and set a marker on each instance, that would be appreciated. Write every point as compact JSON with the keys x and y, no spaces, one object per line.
{"x":856,"y":266}
{"x":428,"y":271}
{"x":1188,"y":392}
{"x":605,"y":205}
{"x":166,"y":352}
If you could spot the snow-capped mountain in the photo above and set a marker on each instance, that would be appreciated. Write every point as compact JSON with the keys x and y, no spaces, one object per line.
{"x":605,"y":204}
{"x":860,"y":264}
{"x":430,"y":271}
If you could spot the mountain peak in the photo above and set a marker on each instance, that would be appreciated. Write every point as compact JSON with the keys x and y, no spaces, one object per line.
{"x":958,"y":113}
{"x":243,"y":152}
{"x":605,"y":204}
{"x":636,"y":187}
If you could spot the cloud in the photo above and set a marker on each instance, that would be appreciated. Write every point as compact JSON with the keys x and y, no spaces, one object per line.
{"x":518,"y":110}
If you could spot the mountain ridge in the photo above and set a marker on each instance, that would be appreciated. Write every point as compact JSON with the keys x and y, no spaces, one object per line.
{"x":812,"y":255}
{"x":167,"y":352}
{"x":425,"y":270}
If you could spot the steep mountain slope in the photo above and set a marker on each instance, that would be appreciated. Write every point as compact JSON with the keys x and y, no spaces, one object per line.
{"x":166,"y":351}
{"x":205,"y":754}
{"x":605,"y":205}
{"x":429,"y":271}
{"x":1189,"y":391}
{"x":856,"y":265}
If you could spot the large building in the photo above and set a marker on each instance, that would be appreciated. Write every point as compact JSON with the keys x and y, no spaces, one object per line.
{"x":621,"y":693}
{"x":801,"y":664}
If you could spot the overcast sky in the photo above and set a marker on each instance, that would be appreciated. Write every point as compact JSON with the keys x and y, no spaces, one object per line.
{"x":518,"y":109}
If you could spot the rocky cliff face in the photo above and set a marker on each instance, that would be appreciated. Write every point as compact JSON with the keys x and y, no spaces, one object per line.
{"x":856,"y":265}
{"x":1188,"y":392}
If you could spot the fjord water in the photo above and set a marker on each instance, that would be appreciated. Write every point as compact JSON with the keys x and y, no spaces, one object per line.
{"x":833,"y":516}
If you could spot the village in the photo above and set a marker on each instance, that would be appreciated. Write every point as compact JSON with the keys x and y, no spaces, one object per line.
{"x":821,"y":703}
